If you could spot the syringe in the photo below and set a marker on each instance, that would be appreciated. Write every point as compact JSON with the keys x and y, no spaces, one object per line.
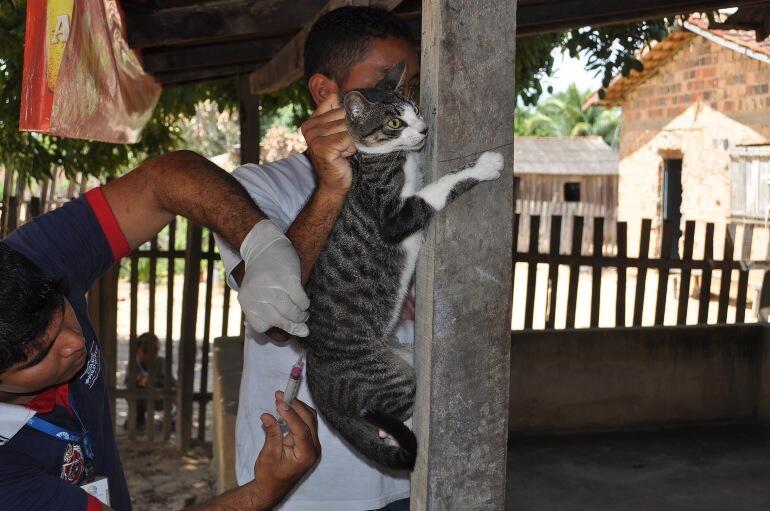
{"x":292,"y":387}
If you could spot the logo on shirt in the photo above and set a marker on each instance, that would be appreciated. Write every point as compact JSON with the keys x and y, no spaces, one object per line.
{"x":72,"y":464}
{"x":93,"y":367}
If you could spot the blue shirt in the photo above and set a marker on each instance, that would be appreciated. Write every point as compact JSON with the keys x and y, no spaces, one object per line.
{"x":77,"y":242}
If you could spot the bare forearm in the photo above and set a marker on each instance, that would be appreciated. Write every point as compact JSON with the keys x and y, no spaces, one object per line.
{"x":181,"y":183}
{"x":312,"y":226}
{"x":243,"y":498}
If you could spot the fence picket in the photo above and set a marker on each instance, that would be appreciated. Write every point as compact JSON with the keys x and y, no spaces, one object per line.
{"x":553,"y":272}
{"x":596,"y":270}
{"x":743,"y":274}
{"x":705,"y":287}
{"x":726,"y":274}
{"x":641,"y":274}
{"x":666,"y":253}
{"x":574,"y":270}
{"x":684,"y":286}
{"x":622,"y":256}
{"x":534,"y":237}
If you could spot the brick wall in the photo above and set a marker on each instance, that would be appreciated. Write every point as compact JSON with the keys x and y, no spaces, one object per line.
{"x":703,"y":102}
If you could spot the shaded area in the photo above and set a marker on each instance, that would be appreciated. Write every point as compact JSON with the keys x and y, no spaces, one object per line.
{"x":694,"y":469}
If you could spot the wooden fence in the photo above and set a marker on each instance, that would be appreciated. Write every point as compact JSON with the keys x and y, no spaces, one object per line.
{"x":596,"y":260}
{"x":567,"y":211}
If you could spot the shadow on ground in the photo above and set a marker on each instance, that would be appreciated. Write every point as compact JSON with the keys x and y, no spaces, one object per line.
{"x":704,"y":469}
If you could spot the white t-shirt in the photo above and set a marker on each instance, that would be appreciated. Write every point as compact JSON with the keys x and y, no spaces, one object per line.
{"x":343,"y":480}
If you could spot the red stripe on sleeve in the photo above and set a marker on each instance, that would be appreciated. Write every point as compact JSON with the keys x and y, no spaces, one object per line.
{"x":94,"y":504}
{"x":106,"y":217}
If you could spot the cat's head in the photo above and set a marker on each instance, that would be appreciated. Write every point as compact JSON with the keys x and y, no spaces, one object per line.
{"x":381,"y":120}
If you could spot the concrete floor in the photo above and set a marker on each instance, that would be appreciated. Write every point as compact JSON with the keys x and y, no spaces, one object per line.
{"x":704,"y":469}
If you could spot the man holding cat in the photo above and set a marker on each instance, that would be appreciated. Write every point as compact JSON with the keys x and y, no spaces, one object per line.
{"x":56,"y":432}
{"x":349,"y":48}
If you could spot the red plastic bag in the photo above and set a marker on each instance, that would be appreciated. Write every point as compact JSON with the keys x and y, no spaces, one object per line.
{"x":81,"y":80}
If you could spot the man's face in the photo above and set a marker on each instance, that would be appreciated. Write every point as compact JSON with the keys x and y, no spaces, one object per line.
{"x":61,"y":357}
{"x":383,"y":55}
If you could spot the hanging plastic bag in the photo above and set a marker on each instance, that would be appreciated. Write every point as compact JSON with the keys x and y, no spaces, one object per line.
{"x":81,"y":80}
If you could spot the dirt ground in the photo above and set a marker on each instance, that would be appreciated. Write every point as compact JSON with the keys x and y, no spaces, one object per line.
{"x":162,"y":479}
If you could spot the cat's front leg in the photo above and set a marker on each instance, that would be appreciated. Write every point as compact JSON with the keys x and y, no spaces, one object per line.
{"x":412,"y":213}
{"x":439,"y":193}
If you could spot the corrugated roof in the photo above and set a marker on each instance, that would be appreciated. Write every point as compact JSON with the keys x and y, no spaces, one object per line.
{"x":659,"y":54}
{"x":589,"y":156}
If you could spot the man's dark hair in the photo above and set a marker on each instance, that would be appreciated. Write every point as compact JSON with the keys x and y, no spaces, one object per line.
{"x":29,"y":300}
{"x":340,"y":39}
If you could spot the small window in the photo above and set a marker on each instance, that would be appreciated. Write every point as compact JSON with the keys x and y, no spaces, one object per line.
{"x":572,"y":192}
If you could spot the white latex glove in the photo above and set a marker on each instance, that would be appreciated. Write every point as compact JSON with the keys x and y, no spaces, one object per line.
{"x":271,"y":293}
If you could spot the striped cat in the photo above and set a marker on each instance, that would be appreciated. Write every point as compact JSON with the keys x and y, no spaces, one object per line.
{"x":359,"y":380}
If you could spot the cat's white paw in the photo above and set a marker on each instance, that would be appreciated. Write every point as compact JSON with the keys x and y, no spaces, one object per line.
{"x":488,"y":166}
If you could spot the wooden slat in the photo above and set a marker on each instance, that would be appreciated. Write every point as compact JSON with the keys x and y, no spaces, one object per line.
{"x":553,"y":272}
{"x":132,"y":369}
{"x":743,"y":275}
{"x":287,"y":65}
{"x":534,"y":238}
{"x":515,"y":245}
{"x":641,"y":274}
{"x":726,"y":276}
{"x":152,"y":367}
{"x":214,"y":22}
{"x":34,"y":208}
{"x":13,"y":214}
{"x":574,"y":271}
{"x":666,"y":253}
{"x":620,"y":295}
{"x":187,"y":341}
{"x":204,"y":377}
{"x":596,"y":271}
{"x":705,"y":289}
{"x":226,"y":310}
{"x":249,"y":118}
{"x":169,"y":346}
{"x":684,"y":287}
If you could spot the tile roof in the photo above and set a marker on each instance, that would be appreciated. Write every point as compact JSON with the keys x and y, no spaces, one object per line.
{"x":588,"y":156}
{"x":657,"y":55}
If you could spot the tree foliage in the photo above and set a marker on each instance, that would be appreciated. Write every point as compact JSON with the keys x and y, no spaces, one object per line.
{"x":562,"y":114}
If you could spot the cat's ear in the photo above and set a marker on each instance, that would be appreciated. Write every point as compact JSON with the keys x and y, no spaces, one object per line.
{"x":355,"y":104}
{"x":394,"y":78}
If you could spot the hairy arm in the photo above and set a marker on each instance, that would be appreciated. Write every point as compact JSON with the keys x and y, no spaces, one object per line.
{"x":180,"y":183}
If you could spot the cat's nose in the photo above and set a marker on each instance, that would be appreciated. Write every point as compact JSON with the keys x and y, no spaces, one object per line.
{"x":424,"y":130}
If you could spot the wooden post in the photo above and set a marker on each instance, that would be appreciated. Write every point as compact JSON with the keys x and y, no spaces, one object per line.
{"x":249,"y":118}
{"x":187,"y":341}
{"x":464,"y":288}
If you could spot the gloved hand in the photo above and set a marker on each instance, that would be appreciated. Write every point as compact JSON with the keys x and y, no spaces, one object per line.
{"x":271,"y":292}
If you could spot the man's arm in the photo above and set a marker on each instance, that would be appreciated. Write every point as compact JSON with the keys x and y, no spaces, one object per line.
{"x":180,"y":183}
{"x":187,"y":184}
{"x":329,"y":145}
{"x":281,"y":463}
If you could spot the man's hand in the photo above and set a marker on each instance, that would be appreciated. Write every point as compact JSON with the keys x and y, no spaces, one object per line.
{"x":271,"y":292}
{"x":283,"y":460}
{"x":330,"y":145}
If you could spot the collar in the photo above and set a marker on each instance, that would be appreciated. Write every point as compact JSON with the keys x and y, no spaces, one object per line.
{"x":50,"y":398}
{"x":12,"y":419}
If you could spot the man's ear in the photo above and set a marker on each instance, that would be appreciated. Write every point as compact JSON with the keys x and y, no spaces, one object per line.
{"x":355,"y":104}
{"x":321,"y":86}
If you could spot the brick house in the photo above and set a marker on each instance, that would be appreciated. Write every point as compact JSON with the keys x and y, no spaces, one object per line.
{"x":700,"y":100}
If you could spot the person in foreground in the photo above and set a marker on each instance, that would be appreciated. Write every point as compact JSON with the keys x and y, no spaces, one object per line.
{"x":347,"y":48}
{"x":56,"y":432}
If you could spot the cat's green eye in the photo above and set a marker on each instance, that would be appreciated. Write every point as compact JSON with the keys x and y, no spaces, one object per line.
{"x":395,"y":123}
{"x":416,"y":110}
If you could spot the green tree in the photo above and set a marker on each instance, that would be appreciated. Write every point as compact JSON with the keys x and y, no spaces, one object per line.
{"x":562,"y":114}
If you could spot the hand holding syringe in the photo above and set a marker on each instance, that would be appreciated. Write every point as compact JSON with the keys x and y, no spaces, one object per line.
{"x":292,"y":387}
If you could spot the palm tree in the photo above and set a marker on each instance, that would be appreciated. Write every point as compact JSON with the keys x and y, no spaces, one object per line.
{"x":562,"y":114}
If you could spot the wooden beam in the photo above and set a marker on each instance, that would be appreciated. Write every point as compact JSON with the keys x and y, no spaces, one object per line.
{"x":204,"y":74}
{"x":198,"y":23}
{"x":214,"y":55}
{"x":464,"y":287}
{"x":249,"y":118}
{"x":536,"y":18}
{"x":287,"y":65}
